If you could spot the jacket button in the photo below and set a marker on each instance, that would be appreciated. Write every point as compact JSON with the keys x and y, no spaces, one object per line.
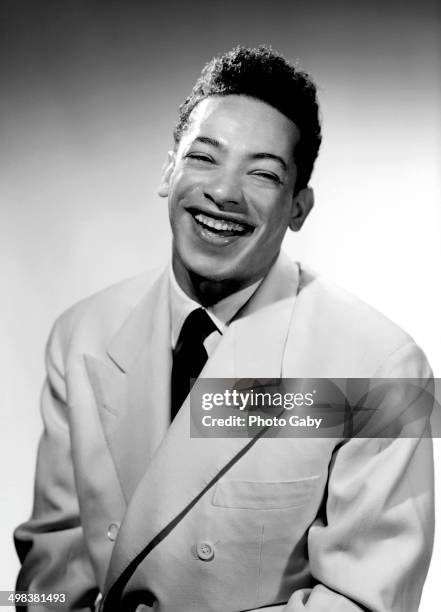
{"x":112,"y":531}
{"x":205,"y":551}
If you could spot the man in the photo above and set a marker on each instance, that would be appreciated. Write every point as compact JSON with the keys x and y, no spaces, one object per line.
{"x":130,"y":512}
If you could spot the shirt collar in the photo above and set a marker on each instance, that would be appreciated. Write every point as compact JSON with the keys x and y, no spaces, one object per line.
{"x":221,"y":313}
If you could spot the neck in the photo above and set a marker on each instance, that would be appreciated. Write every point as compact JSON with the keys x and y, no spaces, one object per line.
{"x":206,"y":291}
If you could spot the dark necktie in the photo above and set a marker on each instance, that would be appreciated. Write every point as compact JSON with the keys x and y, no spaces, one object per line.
{"x":189,"y":356}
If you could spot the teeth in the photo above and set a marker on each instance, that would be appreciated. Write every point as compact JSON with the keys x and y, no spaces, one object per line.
{"x":219,"y":225}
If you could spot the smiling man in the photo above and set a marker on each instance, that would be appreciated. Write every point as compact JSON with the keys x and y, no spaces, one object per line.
{"x":130,"y":512}
{"x":231,"y":184}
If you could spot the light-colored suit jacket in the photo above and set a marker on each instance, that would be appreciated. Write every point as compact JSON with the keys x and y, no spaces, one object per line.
{"x":123,"y":504}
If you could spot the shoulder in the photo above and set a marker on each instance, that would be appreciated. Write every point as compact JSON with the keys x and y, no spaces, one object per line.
{"x":335,"y":305}
{"x":337,"y":323}
{"x":101,"y":314}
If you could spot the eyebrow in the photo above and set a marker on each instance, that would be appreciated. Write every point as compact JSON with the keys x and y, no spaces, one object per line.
{"x":210,"y":141}
{"x":218,"y":145}
{"x":277,"y":158}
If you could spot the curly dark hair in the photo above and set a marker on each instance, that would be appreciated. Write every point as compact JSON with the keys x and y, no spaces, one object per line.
{"x":264,"y":74}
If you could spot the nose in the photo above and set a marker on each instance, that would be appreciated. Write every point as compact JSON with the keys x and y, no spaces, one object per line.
{"x":224,"y":188}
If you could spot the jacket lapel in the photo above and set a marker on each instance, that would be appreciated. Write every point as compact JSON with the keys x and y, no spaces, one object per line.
{"x":183,"y":466}
{"x":132,"y":389}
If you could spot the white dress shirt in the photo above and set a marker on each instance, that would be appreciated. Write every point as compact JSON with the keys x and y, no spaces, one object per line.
{"x":221,"y":313}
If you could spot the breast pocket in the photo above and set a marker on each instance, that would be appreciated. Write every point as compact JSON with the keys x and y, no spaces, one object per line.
{"x":254,"y":495}
{"x":279,"y":515}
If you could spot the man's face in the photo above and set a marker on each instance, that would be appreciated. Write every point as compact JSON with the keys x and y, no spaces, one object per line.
{"x":230,"y":187}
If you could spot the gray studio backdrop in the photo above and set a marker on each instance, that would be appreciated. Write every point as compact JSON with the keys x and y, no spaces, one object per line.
{"x":89,"y":93}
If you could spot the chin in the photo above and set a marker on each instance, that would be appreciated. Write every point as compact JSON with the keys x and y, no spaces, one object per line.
{"x":211,"y":272}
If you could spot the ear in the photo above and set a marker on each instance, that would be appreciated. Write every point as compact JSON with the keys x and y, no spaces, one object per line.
{"x":167,"y":170}
{"x":301,"y":207}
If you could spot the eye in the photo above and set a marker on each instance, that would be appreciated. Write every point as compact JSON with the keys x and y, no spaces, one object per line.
{"x":200,"y":157}
{"x":269,"y":176}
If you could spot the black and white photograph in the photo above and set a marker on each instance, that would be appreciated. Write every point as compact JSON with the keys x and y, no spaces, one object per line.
{"x":220,"y":319}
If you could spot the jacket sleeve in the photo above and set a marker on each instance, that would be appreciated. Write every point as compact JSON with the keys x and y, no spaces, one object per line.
{"x":50,"y":544}
{"x":371,"y":550}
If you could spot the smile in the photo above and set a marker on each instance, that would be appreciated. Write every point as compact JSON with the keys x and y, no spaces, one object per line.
{"x":217,"y":231}
{"x":221,"y":227}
